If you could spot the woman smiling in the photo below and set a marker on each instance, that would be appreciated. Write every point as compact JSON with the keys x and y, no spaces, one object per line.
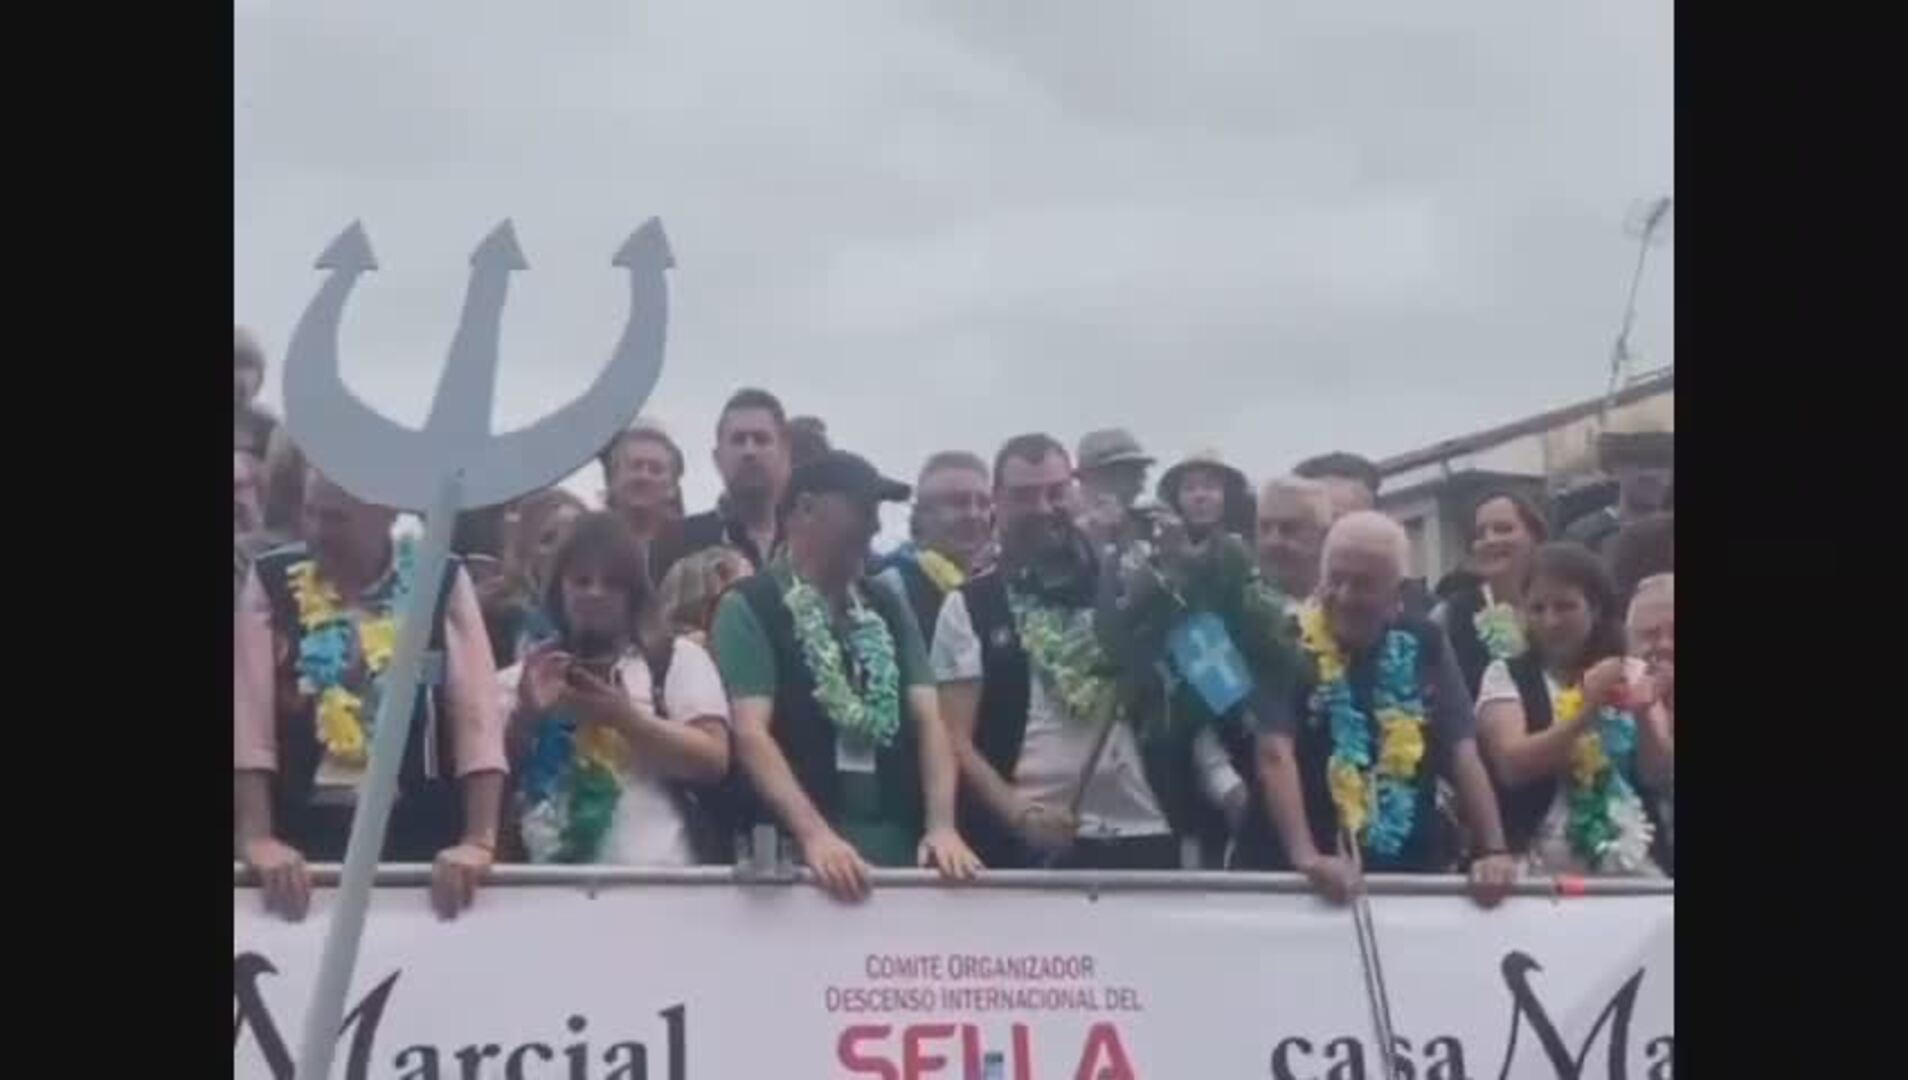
{"x":1560,"y":730}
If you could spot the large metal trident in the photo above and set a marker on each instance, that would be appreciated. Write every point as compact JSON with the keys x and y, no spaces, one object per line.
{"x":454,"y":462}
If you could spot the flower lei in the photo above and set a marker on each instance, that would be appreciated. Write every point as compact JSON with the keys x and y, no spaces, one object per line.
{"x":871,"y":714}
{"x":940,"y":569}
{"x":1498,"y":628}
{"x":570,"y":789}
{"x":1606,"y":826}
{"x":328,"y":647}
{"x":1376,"y":801}
{"x":1063,"y":646}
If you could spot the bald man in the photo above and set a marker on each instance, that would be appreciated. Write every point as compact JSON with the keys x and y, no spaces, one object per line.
{"x":1354,"y":626}
{"x":1293,"y":515}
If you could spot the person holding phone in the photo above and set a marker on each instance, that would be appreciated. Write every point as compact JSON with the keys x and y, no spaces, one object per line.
{"x":615,"y":722}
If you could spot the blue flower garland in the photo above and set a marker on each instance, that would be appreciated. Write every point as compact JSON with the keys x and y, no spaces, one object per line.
{"x":1377,"y":800}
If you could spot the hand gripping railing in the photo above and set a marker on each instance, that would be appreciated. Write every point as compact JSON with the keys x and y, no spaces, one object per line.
{"x":1090,"y":882}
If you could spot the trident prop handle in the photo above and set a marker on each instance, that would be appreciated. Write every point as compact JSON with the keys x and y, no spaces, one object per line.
{"x":326,"y":1011}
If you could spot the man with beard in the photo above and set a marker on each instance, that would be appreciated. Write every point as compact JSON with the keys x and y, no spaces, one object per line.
{"x":642,"y":475}
{"x":836,"y":721}
{"x":1350,"y":763}
{"x":316,"y":629}
{"x":1030,"y":696}
{"x":952,"y":523}
{"x":1293,"y":516}
{"x":752,"y":454}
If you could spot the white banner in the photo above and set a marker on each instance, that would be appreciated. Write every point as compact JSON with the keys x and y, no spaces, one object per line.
{"x":719,"y":982}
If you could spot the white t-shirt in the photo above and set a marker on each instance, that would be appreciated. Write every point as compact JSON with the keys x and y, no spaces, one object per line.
{"x":647,"y":829}
{"x":1118,"y":801}
{"x":1550,"y":850}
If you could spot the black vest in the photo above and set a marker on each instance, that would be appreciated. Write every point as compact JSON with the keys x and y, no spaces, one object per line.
{"x":1429,"y":848}
{"x":1462,"y":602}
{"x":805,"y":733}
{"x":1001,"y":727}
{"x":924,"y":596}
{"x":1001,"y":731}
{"x":1523,"y":809}
{"x":428,"y":815}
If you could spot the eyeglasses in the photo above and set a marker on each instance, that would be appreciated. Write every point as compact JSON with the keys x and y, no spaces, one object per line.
{"x":961,"y":500}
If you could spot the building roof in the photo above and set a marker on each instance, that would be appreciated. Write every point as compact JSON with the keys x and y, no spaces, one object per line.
{"x":1530,"y":425}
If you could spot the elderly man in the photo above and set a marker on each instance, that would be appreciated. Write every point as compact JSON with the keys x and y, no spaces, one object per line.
{"x":1293,"y":515}
{"x":1350,"y":769}
{"x":835,"y":716}
{"x":752,"y":454}
{"x":952,"y":524}
{"x":315,"y":632}
{"x":1651,"y":627}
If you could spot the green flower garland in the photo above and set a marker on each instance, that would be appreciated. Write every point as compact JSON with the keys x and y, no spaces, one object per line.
{"x":871,"y":715}
{"x":1064,"y":648}
{"x":1498,"y":627}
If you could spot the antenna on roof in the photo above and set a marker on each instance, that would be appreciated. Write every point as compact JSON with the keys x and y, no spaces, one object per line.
{"x":1649,"y":222}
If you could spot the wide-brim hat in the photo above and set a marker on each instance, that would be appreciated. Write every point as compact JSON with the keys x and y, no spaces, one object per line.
{"x":1205,"y":459}
{"x":1109,"y":447}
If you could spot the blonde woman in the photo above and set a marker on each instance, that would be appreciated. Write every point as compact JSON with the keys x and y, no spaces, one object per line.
{"x":688,"y":593}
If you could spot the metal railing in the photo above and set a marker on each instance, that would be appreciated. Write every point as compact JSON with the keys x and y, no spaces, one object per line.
{"x":1091,"y":882}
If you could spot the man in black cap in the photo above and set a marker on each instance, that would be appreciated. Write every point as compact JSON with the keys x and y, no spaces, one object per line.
{"x":835,"y":712}
{"x":1643,"y":464}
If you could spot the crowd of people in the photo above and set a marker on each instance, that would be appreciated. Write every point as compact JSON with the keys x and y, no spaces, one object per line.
{"x":1059,"y":669}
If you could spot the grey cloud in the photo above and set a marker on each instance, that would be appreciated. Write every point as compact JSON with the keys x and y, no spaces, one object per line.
{"x":1274,"y":228}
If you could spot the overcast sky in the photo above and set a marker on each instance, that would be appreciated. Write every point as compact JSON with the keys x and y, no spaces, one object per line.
{"x":1274,"y":228}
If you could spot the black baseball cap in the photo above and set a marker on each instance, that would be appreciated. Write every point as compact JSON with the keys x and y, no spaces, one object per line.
{"x":843,"y":473}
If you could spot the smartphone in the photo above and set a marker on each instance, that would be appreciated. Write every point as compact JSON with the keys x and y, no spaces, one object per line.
{"x":602,"y":668}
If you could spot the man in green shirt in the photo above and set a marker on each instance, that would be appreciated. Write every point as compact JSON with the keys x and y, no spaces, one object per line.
{"x":836,"y":718}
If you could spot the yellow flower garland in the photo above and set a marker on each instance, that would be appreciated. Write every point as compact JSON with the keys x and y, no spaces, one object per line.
{"x":1401,"y":742}
{"x":1587,"y":758}
{"x":339,"y":713}
{"x":1316,"y":638}
{"x":602,"y":745}
{"x":377,"y":637}
{"x":340,"y":727}
{"x":941,"y":570}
